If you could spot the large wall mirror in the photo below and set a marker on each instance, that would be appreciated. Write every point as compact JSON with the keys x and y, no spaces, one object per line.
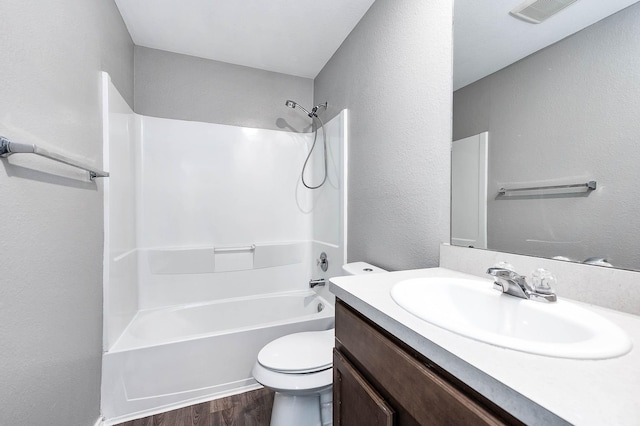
{"x":553,"y":106}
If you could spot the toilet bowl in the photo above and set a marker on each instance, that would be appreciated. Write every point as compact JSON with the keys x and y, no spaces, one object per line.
{"x":299,"y":368}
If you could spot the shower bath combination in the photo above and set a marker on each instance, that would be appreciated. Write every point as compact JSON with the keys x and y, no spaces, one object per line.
{"x":313,"y":115}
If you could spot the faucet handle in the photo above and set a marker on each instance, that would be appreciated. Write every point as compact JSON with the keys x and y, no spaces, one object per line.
{"x":502,"y":270}
{"x":504,"y":265}
{"x":543,"y":281}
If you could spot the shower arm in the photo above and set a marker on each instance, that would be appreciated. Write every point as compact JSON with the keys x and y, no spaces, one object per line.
{"x":310,"y":114}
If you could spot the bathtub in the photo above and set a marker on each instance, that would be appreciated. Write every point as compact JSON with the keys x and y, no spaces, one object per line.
{"x":172,"y":357}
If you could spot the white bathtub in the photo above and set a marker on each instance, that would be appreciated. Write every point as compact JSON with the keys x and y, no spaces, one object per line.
{"x":172,"y":357}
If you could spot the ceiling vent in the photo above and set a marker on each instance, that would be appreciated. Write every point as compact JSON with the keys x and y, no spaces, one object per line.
{"x":536,"y":11}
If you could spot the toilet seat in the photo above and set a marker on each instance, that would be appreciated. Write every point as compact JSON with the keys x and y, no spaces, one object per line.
{"x":298,"y":363}
{"x":299,"y":353}
{"x":299,"y":384}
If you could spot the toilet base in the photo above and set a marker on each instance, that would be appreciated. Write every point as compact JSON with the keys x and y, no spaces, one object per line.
{"x":302,"y":410}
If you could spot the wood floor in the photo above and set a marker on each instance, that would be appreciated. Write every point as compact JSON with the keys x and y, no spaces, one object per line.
{"x":247,"y":409}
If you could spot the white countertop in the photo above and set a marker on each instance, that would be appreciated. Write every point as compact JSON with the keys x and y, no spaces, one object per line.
{"x":536,"y":389}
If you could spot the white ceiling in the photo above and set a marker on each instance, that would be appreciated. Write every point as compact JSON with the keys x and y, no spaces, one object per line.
{"x":487,"y":38}
{"x":296,"y":37}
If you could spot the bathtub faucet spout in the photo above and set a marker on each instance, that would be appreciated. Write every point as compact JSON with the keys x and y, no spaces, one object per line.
{"x":313,"y":283}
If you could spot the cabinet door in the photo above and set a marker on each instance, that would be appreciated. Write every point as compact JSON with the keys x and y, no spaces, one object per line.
{"x":356,"y":403}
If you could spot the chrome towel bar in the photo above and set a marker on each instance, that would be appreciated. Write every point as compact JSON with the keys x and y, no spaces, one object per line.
{"x":8,"y":148}
{"x":589,"y":186}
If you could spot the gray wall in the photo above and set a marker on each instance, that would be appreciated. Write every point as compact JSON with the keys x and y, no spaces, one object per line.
{"x":393,"y":73}
{"x":170,"y":85}
{"x":567,"y":113}
{"x":52,"y":235}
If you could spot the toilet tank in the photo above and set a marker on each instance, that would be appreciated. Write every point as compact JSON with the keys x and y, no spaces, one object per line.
{"x":361,"y":268}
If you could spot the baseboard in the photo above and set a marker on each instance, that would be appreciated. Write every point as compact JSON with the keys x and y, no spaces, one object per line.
{"x":99,"y":422}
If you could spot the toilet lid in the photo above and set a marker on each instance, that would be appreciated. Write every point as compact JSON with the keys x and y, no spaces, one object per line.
{"x":299,"y":353}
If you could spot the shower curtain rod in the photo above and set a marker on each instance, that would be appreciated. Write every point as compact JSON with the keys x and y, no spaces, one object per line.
{"x":8,"y":148}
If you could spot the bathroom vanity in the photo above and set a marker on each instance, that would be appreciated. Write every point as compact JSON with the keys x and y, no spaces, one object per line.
{"x":378,"y":380}
{"x":392,"y":368}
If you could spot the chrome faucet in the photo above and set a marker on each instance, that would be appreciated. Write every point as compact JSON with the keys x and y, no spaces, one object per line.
{"x":319,"y":281}
{"x":598,"y":261}
{"x":509,"y":282}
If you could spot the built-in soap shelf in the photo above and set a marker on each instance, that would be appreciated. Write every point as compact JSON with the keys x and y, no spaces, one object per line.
{"x":212,"y":259}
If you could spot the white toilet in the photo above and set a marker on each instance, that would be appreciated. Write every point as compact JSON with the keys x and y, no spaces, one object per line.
{"x":299,"y":368}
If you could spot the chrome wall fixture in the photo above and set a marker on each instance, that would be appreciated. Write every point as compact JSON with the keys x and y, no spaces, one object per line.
{"x":8,"y":148}
{"x":323,"y":262}
{"x":234,"y":249}
{"x":588,"y":186}
{"x":313,"y":115}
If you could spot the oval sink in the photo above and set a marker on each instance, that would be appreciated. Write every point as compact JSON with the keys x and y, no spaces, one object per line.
{"x":472,"y":308}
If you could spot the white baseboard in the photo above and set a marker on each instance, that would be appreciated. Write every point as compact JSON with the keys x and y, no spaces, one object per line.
{"x":99,"y":422}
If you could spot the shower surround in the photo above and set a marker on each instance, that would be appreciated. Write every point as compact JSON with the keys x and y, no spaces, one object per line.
{"x":210,"y":242}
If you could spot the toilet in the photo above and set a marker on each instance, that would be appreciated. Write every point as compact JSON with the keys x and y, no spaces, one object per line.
{"x":298,"y":367}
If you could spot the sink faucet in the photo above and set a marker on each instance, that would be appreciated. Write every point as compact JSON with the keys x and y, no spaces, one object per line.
{"x":516,"y":285}
{"x":599,"y":261}
{"x":319,"y":281}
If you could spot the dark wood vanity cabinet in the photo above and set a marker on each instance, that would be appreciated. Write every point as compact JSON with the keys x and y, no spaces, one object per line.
{"x":378,"y":380}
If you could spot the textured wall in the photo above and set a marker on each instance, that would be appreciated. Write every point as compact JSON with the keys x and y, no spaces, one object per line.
{"x":567,"y":113}
{"x":169,"y":85}
{"x":52,"y":235}
{"x":393,"y":73}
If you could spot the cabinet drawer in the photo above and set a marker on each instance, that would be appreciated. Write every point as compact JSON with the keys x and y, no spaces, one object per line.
{"x":424,"y":396}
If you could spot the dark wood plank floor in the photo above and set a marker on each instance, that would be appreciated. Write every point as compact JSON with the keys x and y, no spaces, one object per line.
{"x":247,"y":409}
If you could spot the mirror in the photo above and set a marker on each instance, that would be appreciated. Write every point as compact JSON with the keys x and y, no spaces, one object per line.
{"x":565,"y":115}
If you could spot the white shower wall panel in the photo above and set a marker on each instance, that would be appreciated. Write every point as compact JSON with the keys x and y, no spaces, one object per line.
{"x":206,"y":187}
{"x":329,"y":201}
{"x":329,"y":204}
{"x":206,"y":183}
{"x":157,"y":290}
{"x":120,"y":256}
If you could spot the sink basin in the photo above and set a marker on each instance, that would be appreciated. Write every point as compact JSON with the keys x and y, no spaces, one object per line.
{"x":472,"y":308}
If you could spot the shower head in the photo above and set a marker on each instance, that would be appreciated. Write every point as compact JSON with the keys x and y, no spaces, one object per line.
{"x":294,"y":105}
